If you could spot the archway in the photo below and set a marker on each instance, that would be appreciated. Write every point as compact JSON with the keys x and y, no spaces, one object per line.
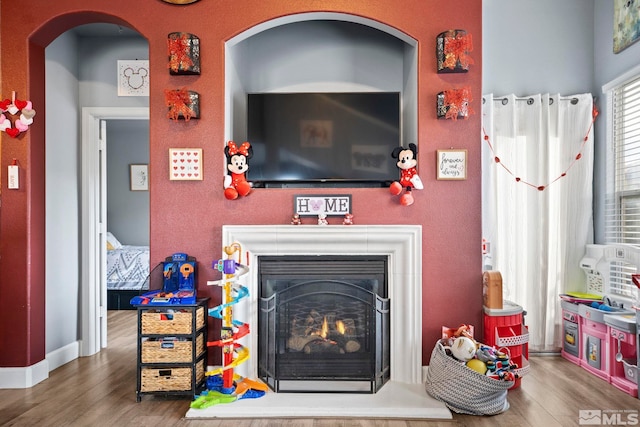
{"x":40,"y":360}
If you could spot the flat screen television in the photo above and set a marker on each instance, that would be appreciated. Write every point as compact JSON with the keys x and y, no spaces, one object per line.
{"x":323,"y":139}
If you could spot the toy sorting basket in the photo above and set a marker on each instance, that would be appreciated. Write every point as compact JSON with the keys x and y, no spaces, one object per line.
{"x":462,"y":389}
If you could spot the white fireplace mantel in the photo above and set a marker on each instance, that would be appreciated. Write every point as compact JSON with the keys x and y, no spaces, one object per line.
{"x":401,"y":243}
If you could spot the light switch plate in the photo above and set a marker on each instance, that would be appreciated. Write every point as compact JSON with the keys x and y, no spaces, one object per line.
{"x":13,"y":180}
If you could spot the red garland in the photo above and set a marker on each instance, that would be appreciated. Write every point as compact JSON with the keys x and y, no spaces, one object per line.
{"x":178,"y":50}
{"x":457,"y":101}
{"x":179,"y":103}
{"x":577,"y":157}
{"x":456,"y":50}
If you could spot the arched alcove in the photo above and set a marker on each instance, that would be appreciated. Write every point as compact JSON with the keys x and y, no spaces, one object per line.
{"x":320,"y":52}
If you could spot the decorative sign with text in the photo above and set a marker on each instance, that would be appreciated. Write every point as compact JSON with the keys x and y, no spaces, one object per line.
{"x":315,"y":204}
{"x":452,"y":164}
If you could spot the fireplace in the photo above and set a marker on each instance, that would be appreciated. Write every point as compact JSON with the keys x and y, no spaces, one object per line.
{"x":401,"y":245}
{"x":323,"y":323}
{"x":403,"y":396}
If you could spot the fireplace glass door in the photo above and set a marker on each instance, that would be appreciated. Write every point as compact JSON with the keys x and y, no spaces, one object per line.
{"x":323,"y":323}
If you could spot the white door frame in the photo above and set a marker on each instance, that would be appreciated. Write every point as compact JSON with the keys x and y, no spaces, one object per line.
{"x":93,"y":288}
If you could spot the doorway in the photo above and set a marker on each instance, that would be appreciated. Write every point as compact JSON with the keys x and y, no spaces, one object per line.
{"x":80,"y":73}
{"x":94,"y":221}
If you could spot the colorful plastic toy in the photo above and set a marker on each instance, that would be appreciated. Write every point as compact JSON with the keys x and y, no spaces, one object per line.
{"x":223,"y":385}
{"x":178,"y":283}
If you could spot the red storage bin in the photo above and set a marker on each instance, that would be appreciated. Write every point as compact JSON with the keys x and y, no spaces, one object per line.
{"x":504,"y":328}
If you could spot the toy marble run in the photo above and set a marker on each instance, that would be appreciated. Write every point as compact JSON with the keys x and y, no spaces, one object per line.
{"x":223,"y":386}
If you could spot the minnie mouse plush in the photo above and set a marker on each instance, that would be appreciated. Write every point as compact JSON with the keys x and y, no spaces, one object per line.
{"x":408,"y":173}
{"x":235,"y":183}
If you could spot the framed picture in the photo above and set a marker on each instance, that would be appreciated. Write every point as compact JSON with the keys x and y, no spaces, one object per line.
{"x":185,"y":164}
{"x":139,"y":177}
{"x":451,"y":164}
{"x":626,"y":24}
{"x":133,"y":78}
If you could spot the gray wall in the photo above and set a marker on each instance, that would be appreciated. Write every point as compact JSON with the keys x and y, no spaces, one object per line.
{"x":98,"y":70}
{"x":537,"y":46}
{"x":62,"y":221}
{"x":127,"y":211}
{"x":127,"y":142}
{"x":72,"y":84}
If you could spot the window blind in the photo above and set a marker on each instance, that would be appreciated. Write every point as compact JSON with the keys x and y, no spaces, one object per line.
{"x":622,"y":200}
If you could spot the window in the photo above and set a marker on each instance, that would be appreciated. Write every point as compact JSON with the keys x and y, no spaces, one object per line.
{"x":622,"y":200}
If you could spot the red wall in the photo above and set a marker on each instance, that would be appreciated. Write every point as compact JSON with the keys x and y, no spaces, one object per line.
{"x":449,"y":211}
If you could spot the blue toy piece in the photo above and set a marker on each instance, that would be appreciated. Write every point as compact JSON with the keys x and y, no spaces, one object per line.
{"x":178,"y":283}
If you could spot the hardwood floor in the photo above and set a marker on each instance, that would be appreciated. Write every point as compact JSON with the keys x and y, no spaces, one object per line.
{"x":100,"y":391}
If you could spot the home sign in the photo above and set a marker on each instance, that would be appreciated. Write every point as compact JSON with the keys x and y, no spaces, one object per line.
{"x":316,"y":204}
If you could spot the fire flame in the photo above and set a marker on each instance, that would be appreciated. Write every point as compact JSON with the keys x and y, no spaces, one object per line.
{"x":325,"y":328}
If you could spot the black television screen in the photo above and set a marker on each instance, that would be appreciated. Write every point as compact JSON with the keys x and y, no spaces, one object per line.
{"x":340,"y":139}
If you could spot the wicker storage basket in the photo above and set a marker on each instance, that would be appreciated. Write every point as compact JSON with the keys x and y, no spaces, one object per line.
{"x":170,"y":379}
{"x":462,"y":389}
{"x":170,"y":351}
{"x":161,"y":321}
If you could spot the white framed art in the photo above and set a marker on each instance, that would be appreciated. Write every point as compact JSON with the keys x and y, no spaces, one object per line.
{"x":185,"y":164}
{"x":133,"y":78}
{"x":451,"y":164}
{"x":139,"y":177}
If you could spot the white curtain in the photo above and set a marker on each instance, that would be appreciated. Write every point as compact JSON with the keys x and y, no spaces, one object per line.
{"x":537,"y":176}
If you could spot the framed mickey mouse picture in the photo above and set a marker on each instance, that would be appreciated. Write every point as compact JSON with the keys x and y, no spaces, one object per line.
{"x":133,"y":78}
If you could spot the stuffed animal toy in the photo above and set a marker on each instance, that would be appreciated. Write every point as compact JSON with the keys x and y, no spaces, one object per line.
{"x":409,"y":177}
{"x":235,"y":182}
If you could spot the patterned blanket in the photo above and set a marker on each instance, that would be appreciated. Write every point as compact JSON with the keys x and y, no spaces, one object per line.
{"x":128,"y":268}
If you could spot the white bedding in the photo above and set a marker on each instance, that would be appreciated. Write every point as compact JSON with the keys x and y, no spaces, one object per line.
{"x":128,"y":268}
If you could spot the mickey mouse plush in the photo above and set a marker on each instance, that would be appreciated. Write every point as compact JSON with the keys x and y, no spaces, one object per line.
{"x":235,"y":183}
{"x":408,"y":173}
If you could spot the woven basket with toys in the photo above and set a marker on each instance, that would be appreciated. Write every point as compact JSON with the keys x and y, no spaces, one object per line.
{"x":470,"y":377}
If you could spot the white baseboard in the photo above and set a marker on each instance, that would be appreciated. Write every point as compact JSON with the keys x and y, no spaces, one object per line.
{"x":24,"y":377}
{"x":29,"y":376}
{"x":63,"y":355}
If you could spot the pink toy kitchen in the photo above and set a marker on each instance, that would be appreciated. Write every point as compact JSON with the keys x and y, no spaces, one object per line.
{"x":601,"y":321}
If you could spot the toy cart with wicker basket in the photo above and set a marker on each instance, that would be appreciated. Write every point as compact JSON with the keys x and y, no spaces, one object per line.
{"x":462,"y":389}
{"x":172,"y":350}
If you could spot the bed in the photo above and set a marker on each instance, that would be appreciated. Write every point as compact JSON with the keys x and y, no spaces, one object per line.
{"x":127,"y":273}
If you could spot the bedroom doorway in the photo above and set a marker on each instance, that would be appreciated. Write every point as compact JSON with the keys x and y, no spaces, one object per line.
{"x":127,"y":175}
{"x":94,"y":223}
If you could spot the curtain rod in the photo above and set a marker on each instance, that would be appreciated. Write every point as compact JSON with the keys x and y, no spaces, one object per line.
{"x":530,"y":100}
